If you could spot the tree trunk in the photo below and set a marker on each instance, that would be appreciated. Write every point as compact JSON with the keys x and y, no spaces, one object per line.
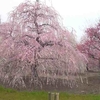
{"x":99,"y":62}
{"x":87,"y":68}
{"x":34,"y":66}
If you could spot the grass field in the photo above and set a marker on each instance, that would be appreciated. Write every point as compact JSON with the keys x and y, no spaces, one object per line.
{"x":9,"y":94}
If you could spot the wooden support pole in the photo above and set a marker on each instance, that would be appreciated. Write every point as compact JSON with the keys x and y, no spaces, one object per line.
{"x":53,"y":96}
{"x":56,"y":96}
{"x":49,"y":96}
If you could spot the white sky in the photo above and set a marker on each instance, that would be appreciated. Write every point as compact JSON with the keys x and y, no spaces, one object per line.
{"x":75,"y":13}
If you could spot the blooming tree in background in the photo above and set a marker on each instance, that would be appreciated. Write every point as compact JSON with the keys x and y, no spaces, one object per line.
{"x":90,"y":46}
{"x":36,"y":48}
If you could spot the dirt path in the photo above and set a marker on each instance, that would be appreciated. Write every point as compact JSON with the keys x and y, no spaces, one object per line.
{"x":92,"y":86}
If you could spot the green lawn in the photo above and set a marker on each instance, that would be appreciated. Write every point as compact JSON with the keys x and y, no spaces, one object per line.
{"x":65,"y":96}
{"x":9,"y":94}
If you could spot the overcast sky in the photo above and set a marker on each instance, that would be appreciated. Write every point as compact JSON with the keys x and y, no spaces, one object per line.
{"x":75,"y":13}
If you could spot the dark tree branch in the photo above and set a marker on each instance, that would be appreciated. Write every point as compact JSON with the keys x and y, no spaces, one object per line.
{"x":48,"y":25}
{"x":47,"y":43}
{"x":29,"y":36}
{"x":37,"y":0}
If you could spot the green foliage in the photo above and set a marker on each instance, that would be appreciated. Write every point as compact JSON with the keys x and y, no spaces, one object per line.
{"x":10,"y":94}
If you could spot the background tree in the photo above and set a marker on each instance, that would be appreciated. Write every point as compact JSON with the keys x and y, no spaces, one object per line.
{"x":36,"y":49}
{"x":90,"y":45}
